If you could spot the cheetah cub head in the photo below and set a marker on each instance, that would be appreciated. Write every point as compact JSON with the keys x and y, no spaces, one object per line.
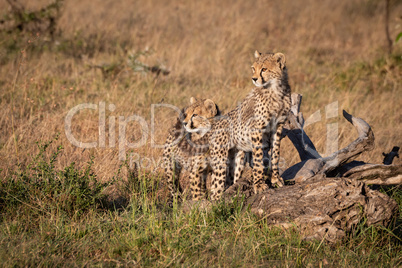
{"x":195,"y":117}
{"x":198,"y":126}
{"x":268,"y":68}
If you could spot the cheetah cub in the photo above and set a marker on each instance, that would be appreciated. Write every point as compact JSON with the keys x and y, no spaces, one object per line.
{"x":181,"y":143}
{"x":255,"y":125}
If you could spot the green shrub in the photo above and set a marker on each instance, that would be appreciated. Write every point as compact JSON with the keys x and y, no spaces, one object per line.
{"x":41,"y":187}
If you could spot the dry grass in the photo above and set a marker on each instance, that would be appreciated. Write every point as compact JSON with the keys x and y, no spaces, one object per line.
{"x":335,"y":53}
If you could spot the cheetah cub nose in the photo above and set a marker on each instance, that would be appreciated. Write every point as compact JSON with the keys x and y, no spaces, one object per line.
{"x":255,"y":79}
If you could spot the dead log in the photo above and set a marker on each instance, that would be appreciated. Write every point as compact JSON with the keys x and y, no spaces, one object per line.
{"x":339,"y":163}
{"x":308,"y":168}
{"x":322,"y":208}
{"x":375,"y":174}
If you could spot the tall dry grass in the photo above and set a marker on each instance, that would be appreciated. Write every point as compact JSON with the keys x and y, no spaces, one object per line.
{"x":335,"y":53}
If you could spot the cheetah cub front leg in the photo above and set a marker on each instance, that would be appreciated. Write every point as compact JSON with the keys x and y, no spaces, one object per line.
{"x":276,"y":179}
{"x":258,"y":168}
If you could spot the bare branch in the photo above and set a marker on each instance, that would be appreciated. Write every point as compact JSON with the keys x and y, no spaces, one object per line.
{"x":365,"y":142}
{"x":308,"y":168}
{"x":294,"y":130}
{"x":376,"y":174}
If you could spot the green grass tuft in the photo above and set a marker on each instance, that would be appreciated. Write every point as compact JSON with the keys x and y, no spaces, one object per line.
{"x":42,"y":189}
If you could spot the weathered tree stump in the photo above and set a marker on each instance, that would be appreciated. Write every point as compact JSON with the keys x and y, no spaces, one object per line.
{"x":322,"y":208}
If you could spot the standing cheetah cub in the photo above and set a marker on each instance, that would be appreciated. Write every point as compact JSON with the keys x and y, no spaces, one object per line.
{"x":181,"y":144}
{"x":186,"y":147}
{"x":256,"y":124}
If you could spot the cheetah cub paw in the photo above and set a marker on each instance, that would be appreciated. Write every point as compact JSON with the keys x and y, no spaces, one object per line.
{"x":277,"y":181}
{"x":260,"y":187}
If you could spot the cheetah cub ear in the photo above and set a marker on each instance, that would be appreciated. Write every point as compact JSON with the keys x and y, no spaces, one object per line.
{"x":210,"y":106}
{"x":280,"y":58}
{"x":193,"y":100}
{"x":257,"y":54}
